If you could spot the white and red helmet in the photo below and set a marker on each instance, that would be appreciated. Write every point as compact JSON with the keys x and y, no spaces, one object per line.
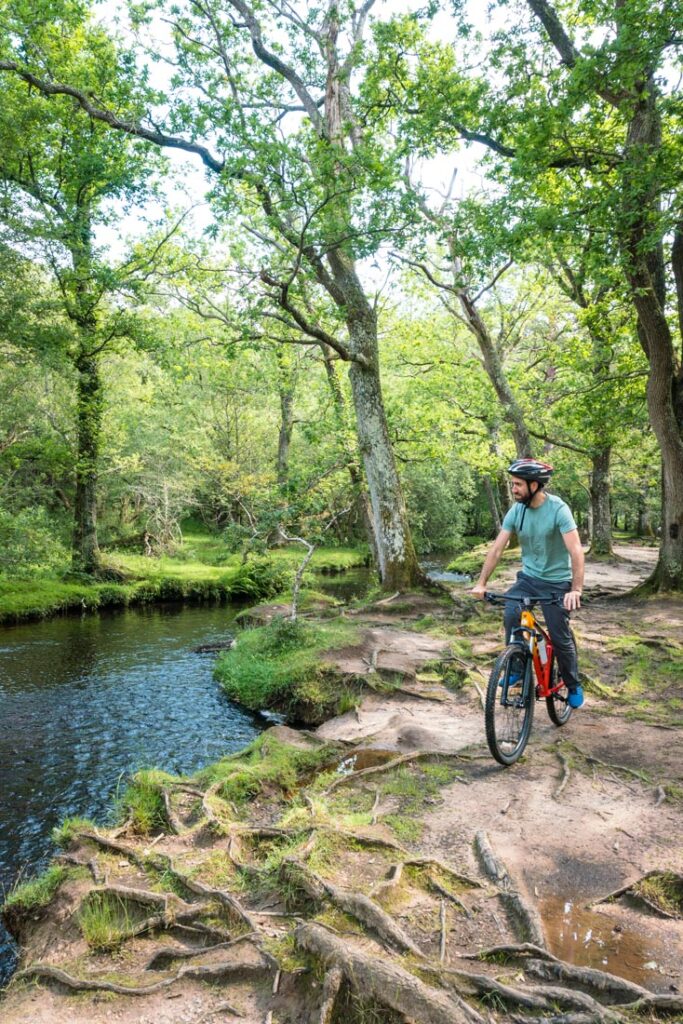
{"x":531,"y":469}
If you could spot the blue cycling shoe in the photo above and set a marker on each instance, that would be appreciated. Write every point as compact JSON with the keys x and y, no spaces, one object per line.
{"x":514,"y":679}
{"x":575,"y":698}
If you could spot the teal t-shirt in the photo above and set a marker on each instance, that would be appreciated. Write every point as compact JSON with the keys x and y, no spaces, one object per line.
{"x":544,"y":553}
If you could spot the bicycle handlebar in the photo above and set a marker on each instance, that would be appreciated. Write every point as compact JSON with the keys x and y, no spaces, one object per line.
{"x":494,"y":598}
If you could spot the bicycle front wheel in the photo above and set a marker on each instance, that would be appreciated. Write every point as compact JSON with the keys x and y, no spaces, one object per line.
{"x":510,"y":699}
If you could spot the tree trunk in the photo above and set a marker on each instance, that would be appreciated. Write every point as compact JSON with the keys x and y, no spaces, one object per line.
{"x":85,"y":550}
{"x":493,"y":504}
{"x":646,"y":273}
{"x":601,"y":528}
{"x":496,"y":374}
{"x":348,"y":444}
{"x":285,"y":434}
{"x":397,"y":561}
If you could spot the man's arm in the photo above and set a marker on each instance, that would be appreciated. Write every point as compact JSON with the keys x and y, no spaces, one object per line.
{"x":572,"y":599}
{"x":490,"y":562}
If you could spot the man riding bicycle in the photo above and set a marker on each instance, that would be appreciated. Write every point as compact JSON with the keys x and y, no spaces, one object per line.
{"x":552,"y":563}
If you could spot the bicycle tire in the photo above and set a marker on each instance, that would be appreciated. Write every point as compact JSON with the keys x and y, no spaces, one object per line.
{"x":556,"y":704}
{"x":508,"y":718}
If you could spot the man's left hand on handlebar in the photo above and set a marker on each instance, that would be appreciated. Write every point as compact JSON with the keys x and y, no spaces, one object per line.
{"x":478,"y":591}
{"x":572,"y":600}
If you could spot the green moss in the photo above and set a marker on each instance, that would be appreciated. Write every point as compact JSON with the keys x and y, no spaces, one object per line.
{"x":264,"y":671}
{"x":407,"y":830}
{"x":414,"y":785}
{"x":37,"y":892}
{"x":266,"y":763}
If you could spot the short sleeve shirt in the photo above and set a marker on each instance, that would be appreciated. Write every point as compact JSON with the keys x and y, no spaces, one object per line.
{"x":544,"y":554}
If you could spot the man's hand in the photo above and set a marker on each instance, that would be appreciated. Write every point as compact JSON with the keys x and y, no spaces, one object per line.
{"x":478,"y":591}
{"x":572,"y":600}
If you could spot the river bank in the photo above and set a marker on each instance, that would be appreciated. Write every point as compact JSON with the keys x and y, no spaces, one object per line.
{"x":203,"y":570}
{"x":352,"y":869}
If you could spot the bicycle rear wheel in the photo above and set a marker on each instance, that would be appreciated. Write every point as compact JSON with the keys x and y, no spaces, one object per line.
{"x":510,"y":708}
{"x":557,"y":703}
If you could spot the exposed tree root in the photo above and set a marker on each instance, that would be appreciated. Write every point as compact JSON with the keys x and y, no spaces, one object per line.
{"x":433,"y":884}
{"x":565,"y":775}
{"x":169,"y":953}
{"x":355,"y":904}
{"x":442,"y":923}
{"x":390,"y":882}
{"x":113,"y":846}
{"x":523,"y":914}
{"x":222,"y":896}
{"x":200,"y":971}
{"x":533,"y":998}
{"x":510,"y":949}
{"x":598,"y":981}
{"x":333,"y":981}
{"x":91,"y":865}
{"x":174,"y":822}
{"x":629,"y":888}
{"x":544,"y":965}
{"x":590,"y":759}
{"x":381,"y":980}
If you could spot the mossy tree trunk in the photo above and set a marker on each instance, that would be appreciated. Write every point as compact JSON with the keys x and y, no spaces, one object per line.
{"x":85,"y":549}
{"x":601,"y":518}
{"x":81,"y":307}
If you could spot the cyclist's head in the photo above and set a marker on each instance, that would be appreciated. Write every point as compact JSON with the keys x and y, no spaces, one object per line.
{"x":531,"y":471}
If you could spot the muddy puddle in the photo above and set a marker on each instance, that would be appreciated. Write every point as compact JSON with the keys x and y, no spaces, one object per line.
{"x":589,"y":938}
{"x":361,"y":759}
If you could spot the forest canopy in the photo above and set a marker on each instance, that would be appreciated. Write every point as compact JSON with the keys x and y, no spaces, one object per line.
{"x":425,"y":241}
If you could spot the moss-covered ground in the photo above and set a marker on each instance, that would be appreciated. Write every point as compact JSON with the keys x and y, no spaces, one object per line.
{"x":202,"y":569}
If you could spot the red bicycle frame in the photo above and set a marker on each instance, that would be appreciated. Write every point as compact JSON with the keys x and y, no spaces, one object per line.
{"x":532,"y":632}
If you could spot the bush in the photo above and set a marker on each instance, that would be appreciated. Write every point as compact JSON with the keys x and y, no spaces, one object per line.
{"x":259,"y":579}
{"x":29,"y":544}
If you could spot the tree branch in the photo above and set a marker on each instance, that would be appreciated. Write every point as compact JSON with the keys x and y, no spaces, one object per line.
{"x":156,"y":137}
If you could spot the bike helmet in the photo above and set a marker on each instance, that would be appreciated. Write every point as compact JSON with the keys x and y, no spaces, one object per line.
{"x":531,"y":469}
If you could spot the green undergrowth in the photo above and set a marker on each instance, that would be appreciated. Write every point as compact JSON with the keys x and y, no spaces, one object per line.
{"x":64,"y":834}
{"x":142,"y":802}
{"x":202,"y":569}
{"x":282,"y":666}
{"x":646,"y":679}
{"x":470,"y":562}
{"x":106,"y":920}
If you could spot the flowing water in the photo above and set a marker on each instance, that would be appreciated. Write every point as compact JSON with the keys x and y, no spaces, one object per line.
{"x":85,"y":701}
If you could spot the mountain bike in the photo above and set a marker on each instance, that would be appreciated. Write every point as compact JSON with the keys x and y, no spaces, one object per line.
{"x":525,"y":672}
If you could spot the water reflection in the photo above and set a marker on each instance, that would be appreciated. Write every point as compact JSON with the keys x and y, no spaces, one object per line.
{"x":86,"y":701}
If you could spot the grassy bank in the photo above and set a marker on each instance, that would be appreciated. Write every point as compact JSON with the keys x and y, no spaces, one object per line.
{"x":282,"y":666}
{"x":202,"y":570}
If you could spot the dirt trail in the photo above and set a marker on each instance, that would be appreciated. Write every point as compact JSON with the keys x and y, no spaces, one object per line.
{"x":443,"y":855}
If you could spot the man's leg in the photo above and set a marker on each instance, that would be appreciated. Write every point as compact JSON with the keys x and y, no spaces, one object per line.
{"x":557,"y":620}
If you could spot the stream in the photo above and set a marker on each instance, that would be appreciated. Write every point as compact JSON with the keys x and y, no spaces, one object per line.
{"x":87,"y":700}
